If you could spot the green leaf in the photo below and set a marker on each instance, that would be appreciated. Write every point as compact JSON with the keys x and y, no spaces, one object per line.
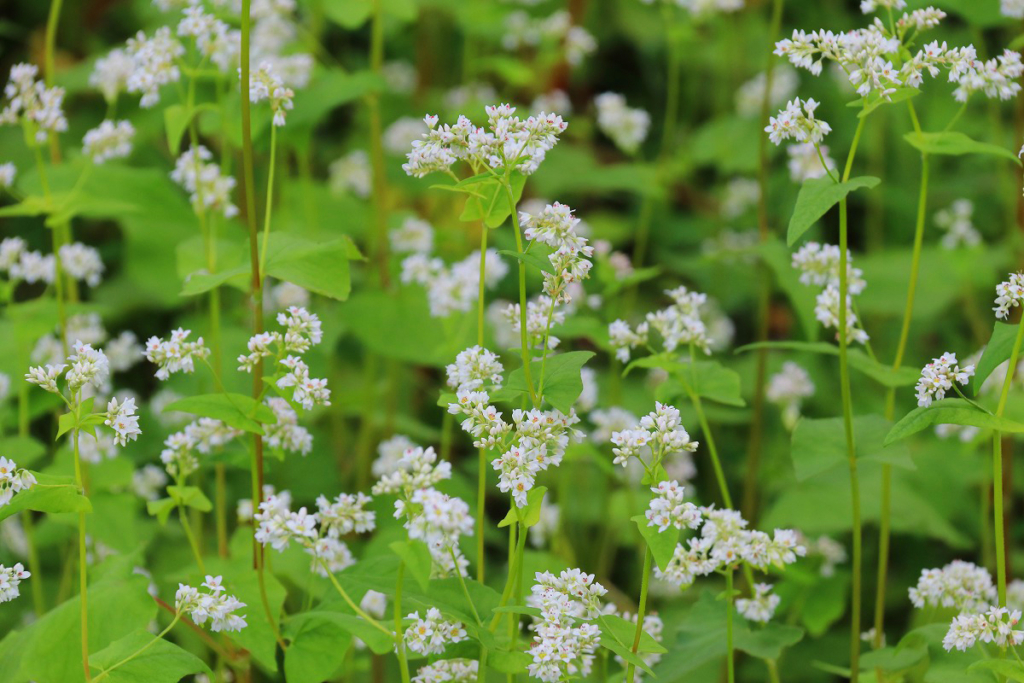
{"x":1012,"y":671}
{"x":769,"y":641}
{"x":661,"y":543}
{"x":160,"y":662}
{"x":858,"y":360}
{"x":176,"y":120}
{"x":997,"y":351}
{"x":378,"y":641}
{"x":65,"y":423}
{"x":416,"y":557}
{"x":950,"y":411}
{"x":531,"y":258}
{"x":320,"y":267}
{"x":24,"y":450}
{"x":777,"y":257}
{"x":509,"y":662}
{"x":161,"y":509}
{"x":51,"y":494}
{"x":816,"y":197}
{"x":562,"y":380}
{"x":318,"y":647}
{"x":491,"y":206}
{"x":201,"y":281}
{"x":190,"y":496}
{"x":529,"y":514}
{"x":955,"y":143}
{"x":820,"y":444}
{"x":707,"y":379}
{"x":617,"y":635}
{"x":235,"y":410}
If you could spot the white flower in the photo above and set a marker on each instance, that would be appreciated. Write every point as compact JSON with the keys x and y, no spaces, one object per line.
{"x":177,"y":354}
{"x":31,"y":103}
{"x":448,"y":671}
{"x":750,"y":95}
{"x":88,"y":366}
{"x":819,"y":266}
{"x":1009,"y":294}
{"x":540,"y":443}
{"x":306,"y":391}
{"x":623,"y":338}
{"x":473,"y":369}
{"x":346,"y":514}
{"x":147,"y":482}
{"x":826,"y":310}
{"x":938,"y":377}
{"x":81,"y":262}
{"x":994,"y":626}
{"x":667,"y":508}
{"x":1012,"y":8}
{"x":8,"y":171}
{"x":417,"y":469}
{"x":94,"y":449}
{"x":122,"y":419}
{"x":415,"y":236}
{"x":333,"y":553}
{"x":455,"y":288}
{"x":627,"y":127}
{"x":399,"y":136}
{"x":208,"y":189}
{"x":431,"y":634}
{"x":761,"y":607}
{"x":351,"y":173}
{"x":13,"y":480}
{"x":390,"y":453}
{"x":542,"y":313}
{"x":787,"y":389}
{"x":265,"y":85}
{"x":123,"y":351}
{"x":109,"y":140}
{"x":681,"y":323}
{"x":111,"y":73}
{"x":278,"y":526}
{"x":10,"y":579}
{"x":438,"y":520}
{"x":154,"y":63}
{"x":956,"y":221}
{"x":805,"y":163}
{"x":961,"y":585}
{"x":286,"y":433}
{"x":659,"y":433}
{"x":564,"y":647}
{"x":214,"y":605}
{"x":797,"y":122}
{"x":45,"y":377}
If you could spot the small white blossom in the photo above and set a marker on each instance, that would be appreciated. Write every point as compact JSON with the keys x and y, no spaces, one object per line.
{"x":213,"y":605}
{"x":431,"y":634}
{"x":177,"y":354}
{"x":797,"y":122}
{"x":626,"y":126}
{"x":415,"y":236}
{"x":109,"y":140}
{"x":938,"y":377}
{"x":13,"y":480}
{"x":761,"y":607}
{"x":10,"y":580}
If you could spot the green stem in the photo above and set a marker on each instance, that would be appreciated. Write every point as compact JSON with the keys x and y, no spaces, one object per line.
{"x":52,"y":20}
{"x":270,"y":197}
{"x":355,"y":608}
{"x":83,"y":583}
{"x":698,"y":406}
{"x":730,"y":654}
{"x":844,"y":380}
{"x":191,"y":539}
{"x":514,"y":565}
{"x":481,"y":513}
{"x":523,"y":336}
{"x":106,"y":672}
{"x":379,"y":188}
{"x":641,"y":611}
{"x":403,"y":663}
{"x":997,"y":468}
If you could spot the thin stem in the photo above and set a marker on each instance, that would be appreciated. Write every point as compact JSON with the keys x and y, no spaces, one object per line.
{"x":83,"y":583}
{"x":270,"y":197}
{"x":403,"y":663}
{"x":729,"y":657}
{"x":481,"y":513}
{"x":641,"y":611}
{"x":348,"y":601}
{"x":698,"y":406}
{"x":106,"y":672}
{"x":997,"y":469}
{"x":191,"y":539}
{"x":515,"y":562}
{"x":379,"y":187}
{"x":523,"y":336}
{"x":844,"y":380}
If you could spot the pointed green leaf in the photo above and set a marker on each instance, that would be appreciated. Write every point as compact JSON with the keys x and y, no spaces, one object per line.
{"x":662,"y":543}
{"x":950,"y":411}
{"x":997,"y":352}
{"x":416,"y":556}
{"x":816,"y":197}
{"x":955,"y":143}
{"x":157,"y":661}
{"x":235,"y":410}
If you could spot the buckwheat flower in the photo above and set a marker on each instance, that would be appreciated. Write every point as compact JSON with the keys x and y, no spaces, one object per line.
{"x":244,"y":511}
{"x":540,"y":311}
{"x":307,"y":391}
{"x":439,"y":520}
{"x":346,"y":514}
{"x":8,"y":171}
{"x":32,"y":104}
{"x":148,"y":481}
{"x":399,"y":136}
{"x":123,"y":351}
{"x":938,"y":377}
{"x":302,"y":329}
{"x":121,"y":418}
{"x":214,"y":605}
{"x":1012,"y":8}
{"x":761,"y":607}
{"x":961,"y":585}
{"x":474,"y":368}
{"x":556,"y":101}
{"x":995,"y":78}
{"x":13,"y":480}
{"x":831,"y":552}
{"x":330,"y":556}
{"x":797,"y":122}
{"x":826,"y":310}
{"x":415,"y":236}
{"x":82,"y":263}
{"x":10,"y":580}
{"x":1009,"y":294}
{"x":819,"y":266}
{"x":626,"y":126}
{"x":681,"y":324}
{"x":389,"y":454}
{"x":88,"y":366}
{"x":623,"y":338}
{"x":265,"y":85}
{"x":111,"y":73}
{"x":431,"y":634}
{"x":869,"y":6}
{"x":351,"y":173}
{"x":208,"y":189}
{"x":787,"y":389}
{"x":286,"y":434}
{"x":417,"y":469}
{"x":563,"y":647}
{"x":109,"y":140}
{"x":448,"y":671}
{"x":177,"y":354}
{"x":805,"y":164}
{"x":94,"y":449}
{"x":45,"y":377}
{"x":284,"y":295}
{"x":11,"y":249}
{"x":609,"y":420}
{"x":667,"y":508}
{"x":547,"y":526}
{"x":996,"y":625}
{"x":34,"y":266}
{"x":956,"y":221}
{"x":278,"y":526}
{"x":750,"y":95}
{"x":483,"y":421}
{"x":155,"y":64}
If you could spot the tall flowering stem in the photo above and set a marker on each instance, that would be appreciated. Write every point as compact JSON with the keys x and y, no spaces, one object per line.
{"x":481,"y":493}
{"x":890,"y":399}
{"x":730,"y":665}
{"x":641,"y":611}
{"x":403,"y":663}
{"x":83,"y":583}
{"x":844,"y":381}
{"x":379,"y":188}
{"x":997,"y":469}
{"x":523,"y":336}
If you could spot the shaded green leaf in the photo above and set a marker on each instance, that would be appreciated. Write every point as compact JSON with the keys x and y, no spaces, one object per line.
{"x":955,"y":143}
{"x":816,"y":197}
{"x":950,"y":411}
{"x":235,"y":410}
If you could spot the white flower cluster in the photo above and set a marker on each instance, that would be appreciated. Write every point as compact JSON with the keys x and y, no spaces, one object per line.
{"x":177,"y":354}
{"x":10,"y":579}
{"x":454,"y":288}
{"x":832,"y":553}
{"x":431,"y":634}
{"x":805,"y":163}
{"x":286,"y":434}
{"x":389,"y":454}
{"x":667,"y":508}
{"x":214,"y":39}
{"x":214,"y":605}
{"x":8,"y":172}
{"x":244,"y":510}
{"x":522,"y":31}
{"x":761,"y":606}
{"x":148,"y":481}
{"x":154,"y":64}
{"x":623,"y":338}
{"x":680,"y":324}
{"x":438,"y":520}
{"x":961,"y":585}
{"x":31,"y":103}
{"x":562,"y":647}
{"x":202,"y":436}
{"x":955,"y":220}
{"x":626,"y":126}
{"x":81,"y":262}
{"x":659,"y":434}
{"x":542,"y":313}
{"x":416,"y":236}
{"x":863,"y":55}
{"x":418,"y":468}
{"x":473,"y":368}
{"x":351,"y":173}
{"x":13,"y":480}
{"x":819,"y":266}
{"x":448,"y":671}
{"x":265,"y":85}
{"x":1009,"y":294}
{"x":109,"y":140}
{"x":705,"y":8}
{"x":1012,"y":8}
{"x":993,"y":626}
{"x":208,"y":189}
{"x":302,"y":332}
{"x":938,"y":377}
{"x":111,"y":73}
{"x":122,"y":419}
{"x":94,"y":449}
{"x":555,"y":226}
{"x":724,"y":542}
{"x":750,"y":95}
{"x":346,"y":514}
{"x":787,"y":389}
{"x":540,"y":440}
{"x":509,"y":144}
{"x":797,"y":122}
